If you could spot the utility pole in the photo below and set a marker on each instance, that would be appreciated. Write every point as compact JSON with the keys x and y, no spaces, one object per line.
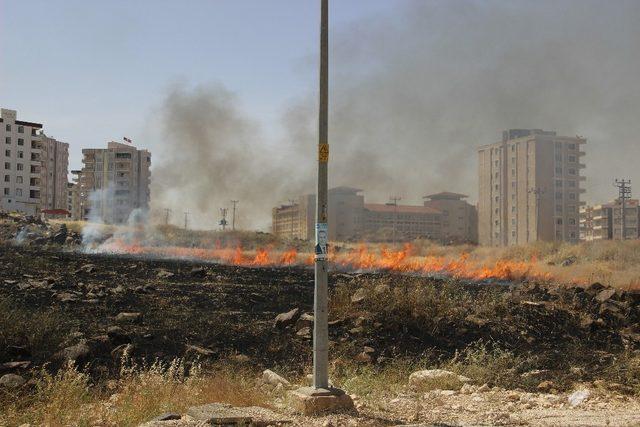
{"x":624,"y":193}
{"x":320,"y":396}
{"x":538,"y":193}
{"x":167,"y":214}
{"x":291,"y":205}
{"x":393,"y":200}
{"x":186,"y":219}
{"x":233,"y":218}
{"x":320,"y":326}
{"x":223,"y":221}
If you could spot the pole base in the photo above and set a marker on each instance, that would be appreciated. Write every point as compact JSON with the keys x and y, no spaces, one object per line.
{"x":317,"y":401}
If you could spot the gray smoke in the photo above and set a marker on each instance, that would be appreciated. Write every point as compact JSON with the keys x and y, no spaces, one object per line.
{"x":414,"y":93}
{"x":213,"y":153}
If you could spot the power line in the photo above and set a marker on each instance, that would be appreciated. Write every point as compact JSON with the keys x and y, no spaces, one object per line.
{"x":233,"y":218}
{"x":223,"y":221}
{"x":624,"y":193}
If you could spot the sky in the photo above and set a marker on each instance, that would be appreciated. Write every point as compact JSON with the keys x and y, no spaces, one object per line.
{"x":224,"y":92}
{"x":96,"y":71}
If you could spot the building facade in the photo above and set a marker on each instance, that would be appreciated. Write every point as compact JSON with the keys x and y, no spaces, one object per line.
{"x":604,"y":222}
{"x":529,"y":188}
{"x":73,"y":201}
{"x":459,"y":218}
{"x":114,"y":182}
{"x":351,"y":219}
{"x":34,"y":166}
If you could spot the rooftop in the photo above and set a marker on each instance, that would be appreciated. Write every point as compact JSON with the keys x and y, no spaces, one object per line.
{"x":380,"y":207}
{"x":447,"y":195}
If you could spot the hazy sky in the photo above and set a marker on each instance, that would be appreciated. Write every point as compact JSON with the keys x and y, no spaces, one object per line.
{"x":93,"y":71}
{"x":223,"y":92}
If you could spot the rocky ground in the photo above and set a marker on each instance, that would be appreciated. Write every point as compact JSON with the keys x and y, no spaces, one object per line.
{"x":66,"y":305}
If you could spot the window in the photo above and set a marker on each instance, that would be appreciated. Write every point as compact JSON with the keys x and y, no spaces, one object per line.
{"x":123,"y":155}
{"x":558,"y":157}
{"x":558,"y":209}
{"x":558,"y":183}
{"x":559,"y":221}
{"x":7,"y":153}
{"x":20,"y":166}
{"x":571,"y":209}
{"x":572,"y":221}
{"x":513,"y":148}
{"x":6,"y":191}
{"x":7,"y":165}
{"x":8,"y":128}
{"x":19,"y":180}
{"x":572,"y":234}
{"x":572,"y":159}
{"x":571,"y":184}
{"x":572,"y":171}
{"x":572,"y":196}
{"x":20,"y":129}
{"x":19,"y":192}
{"x":513,"y":184}
{"x":558,"y":195}
{"x":513,"y":172}
{"x":572,"y":146}
{"x":20,"y":154}
{"x":559,"y":171}
{"x":7,"y":178}
{"x":497,"y":198}
{"x":513,"y":209}
{"x":20,"y":141}
{"x":7,"y":140}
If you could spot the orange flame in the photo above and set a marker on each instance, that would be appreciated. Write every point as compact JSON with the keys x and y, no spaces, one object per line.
{"x":361,"y":257}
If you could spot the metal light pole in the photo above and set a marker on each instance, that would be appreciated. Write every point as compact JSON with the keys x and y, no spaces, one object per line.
{"x":321,"y":328}
{"x":233,"y":220}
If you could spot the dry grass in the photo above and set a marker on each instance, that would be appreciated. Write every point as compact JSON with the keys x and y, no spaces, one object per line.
{"x":139,"y":394}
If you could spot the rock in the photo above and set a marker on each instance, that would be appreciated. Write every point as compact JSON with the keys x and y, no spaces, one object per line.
{"x":117,"y":335}
{"x":363,"y":358}
{"x":219,"y":414}
{"x":437,"y":377}
{"x":467,"y":389}
{"x":568,"y":261}
{"x":305,"y":321}
{"x":121,"y":351}
{"x":594,"y":288}
{"x":11,"y":381}
{"x":359,"y":296}
{"x":283,"y":320}
{"x":200,"y":351}
{"x":578,"y":397}
{"x":241,"y":358}
{"x":66,"y":297}
{"x":199,"y":272}
{"x":270,"y":377}
{"x":125,"y":317}
{"x":381,"y":288}
{"x":164,"y":274}
{"x":79,"y":353}
{"x":545,"y":385}
{"x":304,"y":332}
{"x":605,"y":295}
{"x":168,"y":416}
{"x":14,"y":366}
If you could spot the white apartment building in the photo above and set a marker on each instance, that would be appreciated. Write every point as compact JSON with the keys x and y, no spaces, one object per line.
{"x":113,"y":182}
{"x":34,"y":166}
{"x":530,"y":188}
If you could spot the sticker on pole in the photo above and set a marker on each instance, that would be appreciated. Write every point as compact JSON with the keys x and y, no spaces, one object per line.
{"x":323,"y":153}
{"x":322,"y":235}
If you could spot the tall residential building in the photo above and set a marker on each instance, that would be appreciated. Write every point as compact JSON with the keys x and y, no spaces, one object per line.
{"x":459,"y":218}
{"x":604,"y":222}
{"x":389,"y":222}
{"x":529,"y":188}
{"x":113,"y":182}
{"x":73,"y":200}
{"x":55,"y":169}
{"x":34,"y":166}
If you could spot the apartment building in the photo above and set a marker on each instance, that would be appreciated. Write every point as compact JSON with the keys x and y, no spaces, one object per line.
{"x":529,"y":188}
{"x":389,"y":222}
{"x":459,"y":217}
{"x":34,"y":166}
{"x":350,"y":218}
{"x":113,"y":182}
{"x":604,"y":221}
{"x":73,"y":200}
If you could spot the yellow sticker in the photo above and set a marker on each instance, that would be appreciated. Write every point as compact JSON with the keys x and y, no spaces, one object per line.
{"x":323,"y":153}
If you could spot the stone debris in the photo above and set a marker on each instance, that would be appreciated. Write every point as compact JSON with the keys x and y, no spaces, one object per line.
{"x":578,"y":397}
{"x":11,"y":381}
{"x":431,"y":377}
{"x":283,"y":320}
{"x":270,"y":377}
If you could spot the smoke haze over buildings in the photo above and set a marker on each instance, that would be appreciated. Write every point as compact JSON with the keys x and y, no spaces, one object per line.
{"x":413,"y":95}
